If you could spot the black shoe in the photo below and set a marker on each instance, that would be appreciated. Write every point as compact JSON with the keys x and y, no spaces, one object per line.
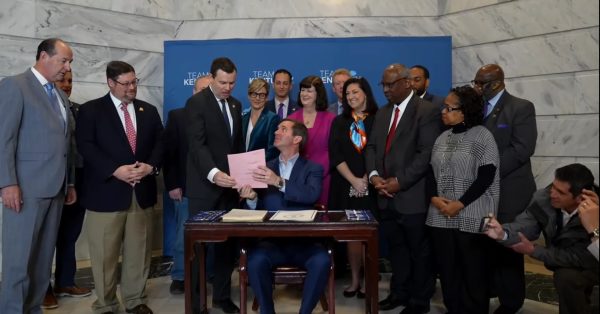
{"x":177,"y":287}
{"x":413,"y":309}
{"x":391,"y":302}
{"x":504,"y":310}
{"x":140,"y":309}
{"x":226,"y":305}
{"x":351,"y":293}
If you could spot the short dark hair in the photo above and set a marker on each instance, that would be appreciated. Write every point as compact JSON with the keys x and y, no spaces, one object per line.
{"x":116,"y":68}
{"x":310,"y":81}
{"x":224,"y":64}
{"x":366,"y":88}
{"x":284,"y":71}
{"x":298,"y":129}
{"x":424,"y":69}
{"x":578,"y":176}
{"x":48,"y":46}
{"x":471,"y":104}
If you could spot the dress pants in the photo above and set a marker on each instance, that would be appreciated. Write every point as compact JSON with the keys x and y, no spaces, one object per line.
{"x":574,"y":287}
{"x":28,"y":240}
{"x":410,"y":252}
{"x":508,"y":277}
{"x":71,"y":222}
{"x":461,"y":259}
{"x":306,"y":254}
{"x":130,"y":229}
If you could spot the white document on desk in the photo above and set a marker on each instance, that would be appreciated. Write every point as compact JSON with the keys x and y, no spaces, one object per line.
{"x":242,"y":165}
{"x":294,"y":215}
{"x":244,"y":215}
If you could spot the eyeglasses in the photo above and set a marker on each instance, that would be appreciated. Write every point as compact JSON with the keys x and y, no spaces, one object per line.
{"x":450,"y":109}
{"x":480,"y":83}
{"x":258,"y":95}
{"x":128,"y":84}
{"x":390,"y":85}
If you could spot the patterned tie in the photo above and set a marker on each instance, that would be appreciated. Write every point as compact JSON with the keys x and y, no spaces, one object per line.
{"x":280,"y":111}
{"x":392,"y":132}
{"x":129,"y":129}
{"x":225,"y":116}
{"x":49,"y":87}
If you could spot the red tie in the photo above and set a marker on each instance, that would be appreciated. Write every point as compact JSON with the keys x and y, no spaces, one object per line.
{"x":129,"y":129}
{"x":392,"y":132}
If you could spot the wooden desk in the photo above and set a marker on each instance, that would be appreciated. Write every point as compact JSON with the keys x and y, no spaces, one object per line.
{"x":327,"y":224}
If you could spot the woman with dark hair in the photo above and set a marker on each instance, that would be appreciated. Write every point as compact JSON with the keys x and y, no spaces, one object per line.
{"x":465,"y":182}
{"x":259,"y":125}
{"x":312,"y":100}
{"x":349,"y":184}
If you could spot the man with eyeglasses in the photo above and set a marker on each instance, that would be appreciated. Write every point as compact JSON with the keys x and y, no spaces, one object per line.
{"x":397,"y":160}
{"x":281,"y":103}
{"x":512,"y":122}
{"x":120,"y":140}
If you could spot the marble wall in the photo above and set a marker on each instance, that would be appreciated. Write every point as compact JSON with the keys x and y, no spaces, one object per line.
{"x":548,"y":48}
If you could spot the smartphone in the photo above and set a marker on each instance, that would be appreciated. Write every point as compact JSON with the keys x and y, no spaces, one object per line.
{"x":484,"y":223}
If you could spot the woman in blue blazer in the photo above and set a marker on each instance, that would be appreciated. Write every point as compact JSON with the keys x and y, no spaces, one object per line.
{"x":259,"y":125}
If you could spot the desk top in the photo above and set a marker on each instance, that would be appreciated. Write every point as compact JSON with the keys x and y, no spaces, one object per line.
{"x":322,"y":218}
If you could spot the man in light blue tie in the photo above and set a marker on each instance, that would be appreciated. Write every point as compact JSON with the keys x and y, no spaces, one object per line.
{"x":34,"y":175}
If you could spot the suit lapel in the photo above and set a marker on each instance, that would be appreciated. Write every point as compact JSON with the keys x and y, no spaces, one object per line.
{"x":140,"y":119}
{"x":37,"y":88}
{"x":492,"y":119}
{"x":408,"y":117}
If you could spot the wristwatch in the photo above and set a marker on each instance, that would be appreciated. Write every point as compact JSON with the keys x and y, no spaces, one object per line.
{"x":595,"y":233}
{"x":155,"y":171}
{"x":280,"y":183}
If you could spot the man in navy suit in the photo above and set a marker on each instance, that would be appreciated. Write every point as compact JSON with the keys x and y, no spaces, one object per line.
{"x":120,"y":140}
{"x":419,"y":79}
{"x":174,"y":174}
{"x":339,"y":77}
{"x":294,"y":183}
{"x":214,"y":128}
{"x":512,"y":122}
{"x":281,"y":103}
{"x":35,"y":179}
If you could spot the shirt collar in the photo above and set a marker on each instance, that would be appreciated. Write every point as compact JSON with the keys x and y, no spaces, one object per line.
{"x":116,"y":101}
{"x":404,"y":103}
{"x":39,"y":76}
{"x":290,"y":161}
{"x":495,"y":99}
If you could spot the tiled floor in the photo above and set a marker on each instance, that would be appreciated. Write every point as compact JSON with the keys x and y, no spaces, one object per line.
{"x":287,"y":300}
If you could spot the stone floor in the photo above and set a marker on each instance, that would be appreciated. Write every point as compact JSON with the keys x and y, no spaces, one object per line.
{"x":287,"y":298}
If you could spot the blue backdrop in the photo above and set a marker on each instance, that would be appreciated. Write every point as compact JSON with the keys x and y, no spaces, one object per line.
{"x":366,"y":57}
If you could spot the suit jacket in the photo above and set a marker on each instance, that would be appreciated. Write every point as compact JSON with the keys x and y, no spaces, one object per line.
{"x":263,"y":133}
{"x":102,"y":142}
{"x":34,"y":142}
{"x":409,"y":155}
{"x":513,"y":124}
{"x":333,"y":108}
{"x":434,"y":99}
{"x":302,"y":190}
{"x":209,"y":144}
{"x":176,"y":150}
{"x":292,"y":106}
{"x":566,"y":246}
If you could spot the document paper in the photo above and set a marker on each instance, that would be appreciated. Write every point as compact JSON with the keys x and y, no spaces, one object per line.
{"x":242,"y":165}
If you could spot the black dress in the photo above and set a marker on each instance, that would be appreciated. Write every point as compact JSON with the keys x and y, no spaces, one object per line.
{"x":341,"y":149}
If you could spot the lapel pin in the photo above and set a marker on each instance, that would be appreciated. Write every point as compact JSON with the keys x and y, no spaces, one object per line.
{"x":141,"y":109}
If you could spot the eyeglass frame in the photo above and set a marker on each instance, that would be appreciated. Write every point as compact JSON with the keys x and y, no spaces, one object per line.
{"x":481,"y":84}
{"x":392,"y":84}
{"x":128,"y":84}
{"x":451,"y":109}
{"x":259,"y":96}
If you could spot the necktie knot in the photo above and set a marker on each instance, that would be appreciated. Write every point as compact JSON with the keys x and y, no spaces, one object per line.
{"x":49,"y":87}
{"x":124,"y":106}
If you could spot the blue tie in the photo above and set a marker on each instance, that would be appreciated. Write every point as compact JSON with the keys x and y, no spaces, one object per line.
{"x":280,"y":111}
{"x":225,"y":116}
{"x":487,"y":109}
{"x":49,"y":87}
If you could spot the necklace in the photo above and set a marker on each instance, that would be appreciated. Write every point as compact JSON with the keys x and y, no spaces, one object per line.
{"x":309,"y":119}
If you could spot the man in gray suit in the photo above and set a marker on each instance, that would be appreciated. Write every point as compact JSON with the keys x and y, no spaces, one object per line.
{"x":339,"y":77}
{"x":512,"y":122}
{"x":34,"y":175}
{"x":397,"y":160}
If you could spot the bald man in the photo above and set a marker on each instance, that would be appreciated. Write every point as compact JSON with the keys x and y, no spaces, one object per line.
{"x":176,"y":149}
{"x":512,"y":122}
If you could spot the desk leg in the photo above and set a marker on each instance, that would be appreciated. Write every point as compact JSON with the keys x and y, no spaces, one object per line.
{"x":202,"y":277}
{"x":188,"y":258}
{"x":372,"y":274}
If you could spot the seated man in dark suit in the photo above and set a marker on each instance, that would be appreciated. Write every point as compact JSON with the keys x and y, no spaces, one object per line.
{"x":554,"y":211}
{"x":294,"y":183}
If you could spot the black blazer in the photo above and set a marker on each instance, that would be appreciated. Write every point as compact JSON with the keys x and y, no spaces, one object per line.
{"x":209,"y":144}
{"x":103,"y":144}
{"x":409,"y":155}
{"x":176,"y":150}
{"x":513,"y":124}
